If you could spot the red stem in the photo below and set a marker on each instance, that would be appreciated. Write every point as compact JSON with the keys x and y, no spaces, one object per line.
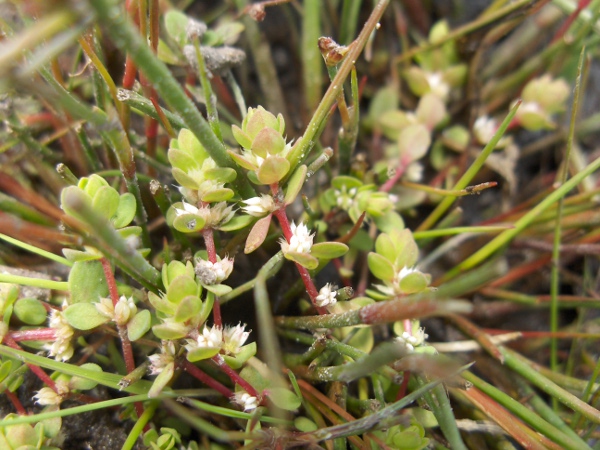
{"x":206,"y":379}
{"x":41,"y":334}
{"x":400,"y":169}
{"x":16,"y":402}
{"x":35,"y":369}
{"x":303,"y":271}
{"x":110,"y":281}
{"x":211,"y":250}
{"x":234,"y":376}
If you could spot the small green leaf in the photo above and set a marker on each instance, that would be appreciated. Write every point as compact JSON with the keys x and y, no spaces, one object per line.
{"x":237,"y":223}
{"x":258,"y":234}
{"x":222,"y":174}
{"x":242,"y":138}
{"x":218,"y":289}
{"x":381,"y":267}
{"x":87,"y":282}
{"x":170,"y":331}
{"x":273,"y":169}
{"x":85,"y":384}
{"x":346,"y":181}
{"x":186,"y":140}
{"x":30,"y":311}
{"x":106,"y":201}
{"x":304,"y":259}
{"x":162,"y":380}
{"x":162,"y":304}
{"x":139,"y":325}
{"x":284,"y":399}
{"x":188,"y":308}
{"x":241,"y":161}
{"x":181,"y":287}
{"x":246,"y":352}
{"x":295,"y":184}
{"x":218,"y":195}
{"x":176,"y":25}
{"x":328,"y":250}
{"x":385,"y":246}
{"x":414,"y":141}
{"x":414,"y":282}
{"x":389,"y":222}
{"x":84,"y":316}
{"x":5,"y":369}
{"x":184,"y":179}
{"x":305,"y":425}
{"x":166,"y":55}
{"x":267,"y":142}
{"x":188,"y":223}
{"x":77,"y":255}
{"x":125,"y":212}
{"x":182,"y":160}
{"x":200,"y":353}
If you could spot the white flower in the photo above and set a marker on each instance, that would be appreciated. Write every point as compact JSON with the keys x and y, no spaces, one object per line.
{"x":245,"y":400}
{"x":213,"y":273}
{"x":327,"y":295}
{"x":437,"y":85}
{"x":414,"y":172}
{"x":301,"y":240}
{"x":393,"y":288}
{"x":47,"y":396}
{"x":159,"y":361}
{"x":187,"y":209}
{"x":210,"y":338}
{"x":125,"y":310}
{"x":234,"y":338}
{"x":61,"y":348}
{"x":345,"y":197}
{"x":412,"y":341}
{"x":259,"y":206}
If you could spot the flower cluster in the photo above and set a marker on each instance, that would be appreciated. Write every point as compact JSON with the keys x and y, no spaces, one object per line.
{"x":327,"y":296}
{"x":413,"y":340}
{"x":301,"y":240}
{"x":61,"y":349}
{"x":213,"y":273}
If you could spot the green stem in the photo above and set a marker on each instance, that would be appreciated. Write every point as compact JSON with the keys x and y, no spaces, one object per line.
{"x":209,"y":98}
{"x":470,"y":173}
{"x":306,"y":142}
{"x":137,"y":429}
{"x":37,"y":251}
{"x":35,"y":282}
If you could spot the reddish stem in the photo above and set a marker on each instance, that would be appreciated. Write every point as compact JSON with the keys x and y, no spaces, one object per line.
{"x":303,"y":271}
{"x":41,"y":334}
{"x":581,"y":5}
{"x":125,"y":342}
{"x":206,"y":379}
{"x":16,"y":402}
{"x":35,"y":369}
{"x":400,"y":169}
{"x":234,"y":376}
{"x":211,"y":250}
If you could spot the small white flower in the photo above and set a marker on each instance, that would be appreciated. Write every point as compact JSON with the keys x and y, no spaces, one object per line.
{"x":301,"y":240}
{"x":234,"y":338}
{"x":259,"y":206}
{"x":345,"y":197}
{"x":245,"y":400}
{"x":437,"y":85}
{"x":484,"y":129}
{"x":414,"y":172}
{"x":187,"y":209}
{"x":210,"y":338}
{"x":411,"y":341}
{"x":213,"y":273}
{"x":159,"y":361}
{"x":61,"y":348}
{"x":125,"y":310}
{"x":216,"y":214}
{"x":47,"y":396}
{"x":327,"y":295}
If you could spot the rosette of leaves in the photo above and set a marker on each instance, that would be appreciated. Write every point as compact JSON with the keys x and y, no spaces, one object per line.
{"x":393,"y":262}
{"x":180,"y":307}
{"x":438,"y":70}
{"x":198,"y":174}
{"x":264,"y":150}
{"x":353,"y":196}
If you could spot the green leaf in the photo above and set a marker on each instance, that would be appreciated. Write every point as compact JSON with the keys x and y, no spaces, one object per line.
{"x":237,"y":223}
{"x":218,"y":195}
{"x":176,"y":25}
{"x":389,"y":221}
{"x":85,"y":384}
{"x":182,"y":160}
{"x":295,"y":184}
{"x":328,"y":250}
{"x":87,"y":282}
{"x":30,"y":311}
{"x":381,"y":267}
{"x":385,"y":246}
{"x":165,"y":54}
{"x":218,"y":289}
{"x":184,"y":179}
{"x":305,"y":425}
{"x":125,"y":212}
{"x":162,"y":380}
{"x":170,"y":331}
{"x":257,"y":234}
{"x":188,"y":308}
{"x":78,"y":255}
{"x":139,"y":325}
{"x":200,"y":353}
{"x":222,"y":174}
{"x":241,"y":161}
{"x":162,"y":304}
{"x":268,"y":142}
{"x":304,"y":259}
{"x":284,"y":399}
{"x":188,"y":223}
{"x":187,"y":141}
{"x":242,"y":138}
{"x":407,"y":251}
{"x":5,"y":368}
{"x":273,"y":169}
{"x":106,"y":201}
{"x":347,"y":181}
{"x":414,"y":141}
{"x":246,"y":352}
{"x":84,"y":316}
{"x":414,"y":282}
{"x":181,"y":287}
